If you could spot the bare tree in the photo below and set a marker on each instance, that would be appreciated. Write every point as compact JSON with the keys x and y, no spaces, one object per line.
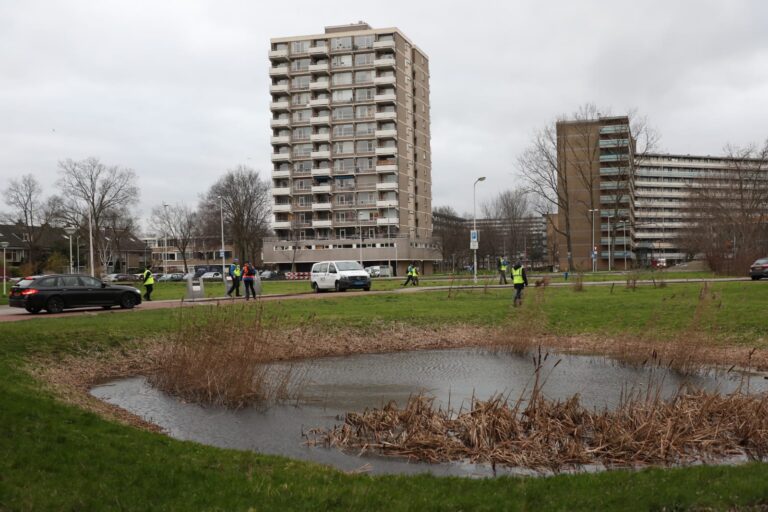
{"x":728,"y":209}
{"x":179,"y":223}
{"x":452,"y":236}
{"x":89,"y":187}
{"x":247,"y":209}
{"x":119,"y":227}
{"x":539,"y":164}
{"x":510,"y":209}
{"x":30,"y":212}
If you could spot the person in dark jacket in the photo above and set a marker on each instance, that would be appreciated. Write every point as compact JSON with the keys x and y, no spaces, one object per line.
{"x":519,"y":281}
{"x":249,"y":276}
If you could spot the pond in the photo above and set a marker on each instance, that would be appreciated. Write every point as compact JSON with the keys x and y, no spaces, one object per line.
{"x":333,"y":386}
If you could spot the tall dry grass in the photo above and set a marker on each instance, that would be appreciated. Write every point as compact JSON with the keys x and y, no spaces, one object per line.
{"x":538,"y":433}
{"x":218,"y":356}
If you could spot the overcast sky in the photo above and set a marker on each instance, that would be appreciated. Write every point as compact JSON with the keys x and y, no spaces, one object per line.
{"x":178,"y":91}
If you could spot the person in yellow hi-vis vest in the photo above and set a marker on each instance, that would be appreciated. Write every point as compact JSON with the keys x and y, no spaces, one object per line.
{"x":235,"y":273}
{"x":503,"y":266}
{"x":149,"y":283}
{"x":519,"y":281}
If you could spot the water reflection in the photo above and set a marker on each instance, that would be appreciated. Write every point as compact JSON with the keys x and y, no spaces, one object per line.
{"x":333,"y":386}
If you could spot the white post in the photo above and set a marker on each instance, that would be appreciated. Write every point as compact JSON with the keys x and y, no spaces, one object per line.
{"x":165,"y":242}
{"x":90,"y":236}
{"x":223,"y":263}
{"x":609,"y":244}
{"x":474,"y":225}
{"x":5,"y":265}
{"x":593,"y":252}
{"x":71,"y":269}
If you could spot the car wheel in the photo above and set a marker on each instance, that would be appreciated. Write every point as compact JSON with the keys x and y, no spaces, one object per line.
{"x":336,"y":286}
{"x":127,"y":301}
{"x":107,"y":307}
{"x":315,"y":287}
{"x":755,"y":278}
{"x":55,"y":305}
{"x":367,"y":288}
{"x":32,"y":309}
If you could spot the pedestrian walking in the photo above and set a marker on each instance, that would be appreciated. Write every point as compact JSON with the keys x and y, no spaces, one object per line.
{"x":149,"y":283}
{"x":415,"y":279}
{"x":519,"y":281}
{"x":502,"y":265}
{"x":249,"y":276}
{"x":409,"y":274}
{"x":235,"y":273}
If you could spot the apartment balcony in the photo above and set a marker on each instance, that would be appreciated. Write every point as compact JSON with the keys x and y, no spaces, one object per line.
{"x":387,"y":185}
{"x":281,"y":207}
{"x":321,"y":189}
{"x":387,"y":203}
{"x":320,"y":137}
{"x":281,"y":191}
{"x":386,"y":98}
{"x":386,"y":168}
{"x":321,"y":120}
{"x":281,"y":224}
{"x":319,"y":102}
{"x":281,"y":157}
{"x":325,"y":171}
{"x":278,"y":54}
{"x":280,"y":123}
{"x":385,"y":63}
{"x":378,"y":45}
{"x":280,"y":105}
{"x":279,"y":88}
{"x":386,"y":134}
{"x":388,"y":150}
{"x":321,"y":154}
{"x":322,"y":223}
{"x":281,"y":139}
{"x":385,"y":80}
{"x":387,"y":221}
{"x":318,"y":50}
{"x":614,"y":143}
{"x":321,"y":206}
{"x":319,"y":68}
{"x":279,"y":71}
{"x":616,"y":128}
{"x":320,"y":85}
{"x":281,"y":173}
{"x":384,"y":116}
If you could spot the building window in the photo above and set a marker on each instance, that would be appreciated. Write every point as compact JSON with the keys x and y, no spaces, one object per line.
{"x":365,"y":112}
{"x":364,"y":59}
{"x":363,"y":77}
{"x":343,"y":148}
{"x":298,"y":47}
{"x":342,"y":61}
{"x":364,"y":94}
{"x":300,"y":65}
{"x":343,"y":113}
{"x":342,"y":78}
{"x":341,"y":43}
{"x":343,"y":130}
{"x":363,"y":42}
{"x":342,"y":96}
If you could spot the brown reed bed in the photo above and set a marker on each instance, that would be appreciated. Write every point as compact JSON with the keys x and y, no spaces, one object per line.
{"x":219,"y":358}
{"x":538,"y":433}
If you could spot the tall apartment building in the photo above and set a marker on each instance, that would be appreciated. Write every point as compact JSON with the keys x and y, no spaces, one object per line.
{"x":596,"y":161}
{"x":640,"y":202}
{"x":351,"y":149}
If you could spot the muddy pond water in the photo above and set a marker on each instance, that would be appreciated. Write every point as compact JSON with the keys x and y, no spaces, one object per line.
{"x":330,"y":387}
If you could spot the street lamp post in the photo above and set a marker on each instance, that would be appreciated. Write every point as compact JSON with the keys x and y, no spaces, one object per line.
{"x":223,"y":263}
{"x":4,"y":245}
{"x":474,"y":224}
{"x":165,"y":243}
{"x":594,"y":249}
{"x":610,"y":245}
{"x":70,"y":230}
{"x":90,"y":238}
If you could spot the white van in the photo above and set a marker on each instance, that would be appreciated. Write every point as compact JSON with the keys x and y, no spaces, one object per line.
{"x":339,"y":276}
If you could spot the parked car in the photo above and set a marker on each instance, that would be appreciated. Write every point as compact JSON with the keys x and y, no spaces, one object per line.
{"x":269,"y":274}
{"x":57,"y":292}
{"x":339,"y":276}
{"x":373,"y":271}
{"x":759,"y":269}
{"x":211,"y":275}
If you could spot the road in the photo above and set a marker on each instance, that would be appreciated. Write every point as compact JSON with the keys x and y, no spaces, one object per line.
{"x":8,"y":314}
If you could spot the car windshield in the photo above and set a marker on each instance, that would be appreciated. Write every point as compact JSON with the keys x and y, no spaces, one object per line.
{"x":348,"y":265}
{"x":762,"y":261}
{"x":25,"y":283}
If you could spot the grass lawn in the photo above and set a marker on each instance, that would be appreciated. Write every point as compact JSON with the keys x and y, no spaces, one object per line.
{"x":57,"y":456}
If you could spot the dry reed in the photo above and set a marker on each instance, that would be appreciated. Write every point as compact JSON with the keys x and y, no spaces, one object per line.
{"x":537,"y":433}
{"x":578,"y":283}
{"x":219,"y":357}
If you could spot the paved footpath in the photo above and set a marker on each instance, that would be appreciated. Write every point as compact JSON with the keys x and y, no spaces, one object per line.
{"x":8,"y":314}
